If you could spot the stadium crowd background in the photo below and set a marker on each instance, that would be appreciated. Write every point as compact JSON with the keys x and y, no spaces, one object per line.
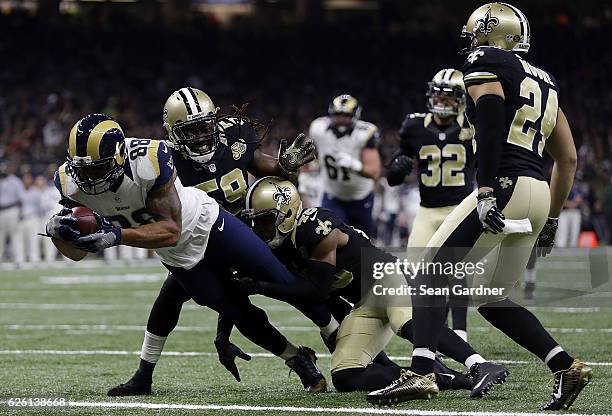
{"x":56,"y":70}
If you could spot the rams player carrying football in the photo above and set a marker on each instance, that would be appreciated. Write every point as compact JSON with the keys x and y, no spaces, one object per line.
{"x":441,"y":141}
{"x":329,"y":254}
{"x":215,"y":154}
{"x":514,"y":107}
{"x":347,"y":149}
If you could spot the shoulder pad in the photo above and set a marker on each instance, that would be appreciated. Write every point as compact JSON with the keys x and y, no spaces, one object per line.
{"x":313,"y":225}
{"x":234,"y":129}
{"x":485,"y":64}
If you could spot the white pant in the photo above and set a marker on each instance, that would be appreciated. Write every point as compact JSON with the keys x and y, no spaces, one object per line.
{"x":9,"y":219}
{"x":569,"y":228}
{"x":26,"y":242}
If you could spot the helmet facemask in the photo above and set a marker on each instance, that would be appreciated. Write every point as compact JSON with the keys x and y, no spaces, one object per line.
{"x":445,"y":100}
{"x":267,"y":225}
{"x":198,"y":138}
{"x":96,"y":177}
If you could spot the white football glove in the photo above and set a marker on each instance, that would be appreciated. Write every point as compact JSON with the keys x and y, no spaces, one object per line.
{"x":344,"y":160}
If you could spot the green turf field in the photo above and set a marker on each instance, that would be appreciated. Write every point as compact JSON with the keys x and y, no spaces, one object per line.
{"x":65,"y":333}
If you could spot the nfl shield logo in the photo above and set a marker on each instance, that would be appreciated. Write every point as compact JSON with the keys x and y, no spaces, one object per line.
{"x":442,"y":136}
{"x":212,"y":168}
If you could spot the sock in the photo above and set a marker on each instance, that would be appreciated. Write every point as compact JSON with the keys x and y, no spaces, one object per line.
{"x":330,"y":328}
{"x":152,"y":347}
{"x":523,"y":328}
{"x":422,"y":361}
{"x":557,"y":359}
{"x":289,"y":352}
{"x":473,"y":359}
{"x":462,"y":333}
{"x":459,"y":318}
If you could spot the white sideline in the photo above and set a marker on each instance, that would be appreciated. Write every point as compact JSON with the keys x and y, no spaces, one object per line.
{"x":214,"y":354}
{"x":349,"y":410}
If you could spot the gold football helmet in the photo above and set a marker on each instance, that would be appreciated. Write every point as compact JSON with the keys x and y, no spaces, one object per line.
{"x":497,"y":24}
{"x":191,"y":122}
{"x":272,"y":205}
{"x":446,"y":93}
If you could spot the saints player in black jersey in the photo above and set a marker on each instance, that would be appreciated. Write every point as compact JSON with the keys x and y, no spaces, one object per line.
{"x":216,"y":154}
{"x":329,"y":254}
{"x":514,"y":107}
{"x":441,"y":142}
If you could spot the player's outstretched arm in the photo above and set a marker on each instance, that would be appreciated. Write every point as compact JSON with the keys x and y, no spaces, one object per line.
{"x":164,"y":205}
{"x":560,"y":146}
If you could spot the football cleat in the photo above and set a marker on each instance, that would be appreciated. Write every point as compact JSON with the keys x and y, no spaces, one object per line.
{"x":568,"y":384}
{"x":485,"y":376}
{"x":449,"y":379}
{"x":136,"y":386}
{"x":410,"y":386}
{"x":305,"y":366}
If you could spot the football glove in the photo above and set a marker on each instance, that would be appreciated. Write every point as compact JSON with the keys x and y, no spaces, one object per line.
{"x":398,"y":169}
{"x":546,"y":239}
{"x":490,"y":216}
{"x":301,"y":151}
{"x":108,"y":236}
{"x":344,"y":160}
{"x":62,"y":226}
{"x":227,"y":353}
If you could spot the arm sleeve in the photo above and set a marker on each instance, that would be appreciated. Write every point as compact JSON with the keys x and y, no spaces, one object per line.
{"x":406,"y":146}
{"x":224,"y":328}
{"x":165,"y":163}
{"x":490,"y":116}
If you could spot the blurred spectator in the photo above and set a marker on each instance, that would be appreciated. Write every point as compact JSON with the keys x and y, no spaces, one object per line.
{"x":26,"y":242}
{"x":570,"y":220}
{"x":11,"y":194}
{"x":49,"y":205}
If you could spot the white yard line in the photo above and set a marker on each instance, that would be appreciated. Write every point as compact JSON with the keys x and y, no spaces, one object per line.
{"x":295,"y":409}
{"x":214,"y":354}
{"x":187,"y":328}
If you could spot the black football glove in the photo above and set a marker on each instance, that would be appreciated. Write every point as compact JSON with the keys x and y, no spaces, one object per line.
{"x":227,"y":355}
{"x":63,"y":226}
{"x":546,"y":239}
{"x":108,"y":236}
{"x":301,"y":151}
{"x":490,"y":216}
{"x":398,"y":169}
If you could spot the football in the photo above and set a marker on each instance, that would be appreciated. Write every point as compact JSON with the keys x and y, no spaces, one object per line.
{"x":87,"y":222}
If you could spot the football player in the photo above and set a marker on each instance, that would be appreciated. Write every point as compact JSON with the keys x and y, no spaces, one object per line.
{"x":215,"y":154}
{"x":350,"y":162}
{"x":441,"y":141}
{"x":330,"y":256}
{"x":514,"y":107}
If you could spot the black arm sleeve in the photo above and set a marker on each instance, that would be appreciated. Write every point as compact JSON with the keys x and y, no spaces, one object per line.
{"x":302,"y":290}
{"x":490,"y":126}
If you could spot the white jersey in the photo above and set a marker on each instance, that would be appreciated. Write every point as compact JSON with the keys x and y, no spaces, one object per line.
{"x":149,"y":163}
{"x":342,"y":183}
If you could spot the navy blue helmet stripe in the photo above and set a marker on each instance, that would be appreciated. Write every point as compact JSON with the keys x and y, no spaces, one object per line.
{"x":184,"y":97}
{"x":195,"y":99}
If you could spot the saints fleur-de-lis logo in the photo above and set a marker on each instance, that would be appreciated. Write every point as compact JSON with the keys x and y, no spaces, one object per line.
{"x":473,"y":56}
{"x":505,"y":182}
{"x":486,"y":23}
{"x":282,"y":194}
{"x":324,"y":227}
{"x":238,"y":149}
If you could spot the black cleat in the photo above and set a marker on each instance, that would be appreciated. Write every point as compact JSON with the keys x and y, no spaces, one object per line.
{"x":568,"y":384}
{"x":449,"y":379}
{"x":138,"y":385}
{"x":305,"y":366}
{"x":485,"y":376}
{"x":410,"y":386}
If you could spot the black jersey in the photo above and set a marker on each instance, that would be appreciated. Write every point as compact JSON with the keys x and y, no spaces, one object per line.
{"x":445,"y":158}
{"x":225,"y":176}
{"x":531,"y":103}
{"x":313,"y":225}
